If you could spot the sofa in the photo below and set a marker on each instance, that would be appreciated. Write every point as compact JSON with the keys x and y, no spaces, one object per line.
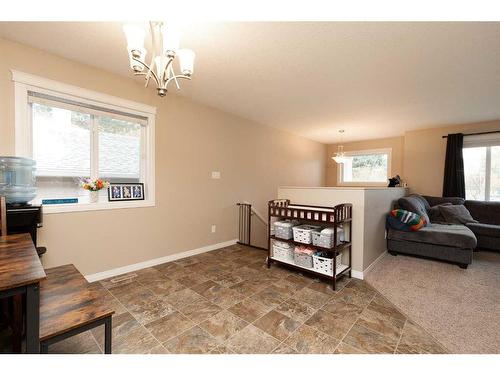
{"x":440,"y":240}
{"x":487,"y":230}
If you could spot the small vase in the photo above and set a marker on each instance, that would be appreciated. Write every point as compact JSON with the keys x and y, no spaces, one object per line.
{"x":93,"y":196}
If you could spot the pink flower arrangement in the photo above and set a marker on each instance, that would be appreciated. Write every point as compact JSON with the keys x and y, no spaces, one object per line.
{"x":93,"y":185}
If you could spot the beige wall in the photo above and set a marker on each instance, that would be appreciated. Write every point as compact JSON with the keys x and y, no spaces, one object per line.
{"x":191,"y":141}
{"x":377,"y":203}
{"x":396,"y":144}
{"x":425,"y":151}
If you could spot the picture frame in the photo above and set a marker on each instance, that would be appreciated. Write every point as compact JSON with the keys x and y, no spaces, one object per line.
{"x":119,"y":192}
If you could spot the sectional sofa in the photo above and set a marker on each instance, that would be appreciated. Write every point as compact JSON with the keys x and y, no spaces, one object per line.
{"x":453,"y":243}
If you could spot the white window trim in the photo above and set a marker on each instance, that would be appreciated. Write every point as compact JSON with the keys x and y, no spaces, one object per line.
{"x":340,"y":171}
{"x":24,"y":82}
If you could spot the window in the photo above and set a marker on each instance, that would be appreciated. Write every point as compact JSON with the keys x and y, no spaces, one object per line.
{"x":369,"y":167}
{"x":72,"y":137}
{"x":482,"y":167}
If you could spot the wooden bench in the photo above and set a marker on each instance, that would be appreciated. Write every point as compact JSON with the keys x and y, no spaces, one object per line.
{"x":69,"y":305}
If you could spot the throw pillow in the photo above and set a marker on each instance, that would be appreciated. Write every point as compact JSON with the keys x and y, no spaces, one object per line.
{"x":416,"y":204}
{"x":405,"y":220}
{"x":456,"y":214}
{"x":435,"y":215}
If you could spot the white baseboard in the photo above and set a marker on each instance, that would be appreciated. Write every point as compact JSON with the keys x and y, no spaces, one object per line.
{"x":153,"y":262}
{"x":369,"y":268}
{"x":357,"y":274}
{"x":361,"y":274}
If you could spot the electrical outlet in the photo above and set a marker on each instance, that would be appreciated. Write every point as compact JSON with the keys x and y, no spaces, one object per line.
{"x":216,"y":175}
{"x":214,"y":228}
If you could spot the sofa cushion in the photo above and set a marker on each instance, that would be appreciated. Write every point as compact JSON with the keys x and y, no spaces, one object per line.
{"x":481,"y":229}
{"x":434,"y":201}
{"x":484,"y":212}
{"x":446,"y":235}
{"x":435,"y":215}
{"x":456,"y":214}
{"x":417,"y":204}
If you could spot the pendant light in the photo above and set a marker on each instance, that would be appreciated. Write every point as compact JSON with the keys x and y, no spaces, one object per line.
{"x":165,"y":49}
{"x":339,"y":156}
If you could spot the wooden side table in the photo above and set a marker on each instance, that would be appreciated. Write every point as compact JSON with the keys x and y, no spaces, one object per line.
{"x":20,"y":274}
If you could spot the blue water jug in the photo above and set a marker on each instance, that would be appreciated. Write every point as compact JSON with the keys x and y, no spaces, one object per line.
{"x":17,"y":179}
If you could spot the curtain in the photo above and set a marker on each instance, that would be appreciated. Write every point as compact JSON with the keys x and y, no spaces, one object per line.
{"x":454,"y":179}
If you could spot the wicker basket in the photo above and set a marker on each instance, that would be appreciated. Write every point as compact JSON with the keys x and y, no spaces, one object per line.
{"x":303,"y":233}
{"x":325,"y":265}
{"x":325,"y":237}
{"x":283,"y":251}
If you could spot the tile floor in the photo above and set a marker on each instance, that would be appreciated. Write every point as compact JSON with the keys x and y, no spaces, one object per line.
{"x":227,"y":301}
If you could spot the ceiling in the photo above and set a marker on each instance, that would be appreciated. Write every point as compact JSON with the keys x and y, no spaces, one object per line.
{"x":374,"y":80}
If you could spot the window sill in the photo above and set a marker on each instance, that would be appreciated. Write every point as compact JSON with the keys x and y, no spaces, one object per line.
{"x":100,"y":206}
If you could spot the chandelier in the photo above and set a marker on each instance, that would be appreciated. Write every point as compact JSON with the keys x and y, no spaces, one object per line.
{"x":165,"y":49}
{"x":340,"y":154}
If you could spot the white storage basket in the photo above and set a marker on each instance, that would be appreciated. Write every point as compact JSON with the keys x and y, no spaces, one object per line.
{"x":325,"y":237}
{"x":283,"y":229}
{"x":283,"y":251}
{"x":303,"y":233}
{"x":303,"y":260}
{"x":325,"y":265}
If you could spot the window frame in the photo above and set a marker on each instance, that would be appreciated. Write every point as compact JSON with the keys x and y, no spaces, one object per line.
{"x":340,"y":168}
{"x":487,"y":141}
{"x":24,"y":82}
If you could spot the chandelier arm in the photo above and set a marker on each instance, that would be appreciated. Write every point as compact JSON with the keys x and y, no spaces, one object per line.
{"x":179,"y":76}
{"x":175,"y":77}
{"x":142,"y":74}
{"x":169,"y":62}
{"x":165,"y":72}
{"x":149,"y":73}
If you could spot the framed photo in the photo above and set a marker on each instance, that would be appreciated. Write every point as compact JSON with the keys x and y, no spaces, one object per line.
{"x":125,"y":192}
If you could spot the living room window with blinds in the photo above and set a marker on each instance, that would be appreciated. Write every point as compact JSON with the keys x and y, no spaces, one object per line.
{"x":71,"y":137}
{"x":481,"y":155}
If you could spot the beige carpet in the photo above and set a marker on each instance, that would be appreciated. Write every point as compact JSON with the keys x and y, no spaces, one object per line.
{"x":460,"y":308}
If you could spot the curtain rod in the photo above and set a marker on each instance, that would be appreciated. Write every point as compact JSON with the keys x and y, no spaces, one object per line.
{"x":495,"y":131}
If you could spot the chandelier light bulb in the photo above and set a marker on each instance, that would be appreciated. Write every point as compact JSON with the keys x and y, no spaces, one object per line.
{"x":135,"y":38}
{"x":171,"y":39}
{"x":186,"y":61}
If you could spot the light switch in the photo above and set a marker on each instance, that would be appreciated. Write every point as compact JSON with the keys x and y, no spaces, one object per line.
{"x":214,"y":228}
{"x":216,"y":175}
